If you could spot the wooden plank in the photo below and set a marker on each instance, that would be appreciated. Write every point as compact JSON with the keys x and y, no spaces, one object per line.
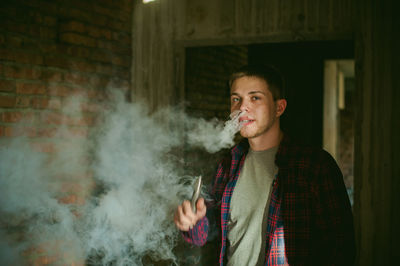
{"x":312,"y":7}
{"x":324,"y":15}
{"x":269,"y":14}
{"x":297,"y":15}
{"x":243,"y":13}
{"x":284,"y":16}
{"x":226,"y":18}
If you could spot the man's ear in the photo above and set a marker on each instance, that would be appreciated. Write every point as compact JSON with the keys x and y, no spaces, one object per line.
{"x":280,"y":107}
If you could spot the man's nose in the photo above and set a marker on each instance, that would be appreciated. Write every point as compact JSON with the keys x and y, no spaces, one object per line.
{"x":243,"y":106}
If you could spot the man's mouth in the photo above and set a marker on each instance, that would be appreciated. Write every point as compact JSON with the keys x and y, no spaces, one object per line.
{"x":245,"y":121}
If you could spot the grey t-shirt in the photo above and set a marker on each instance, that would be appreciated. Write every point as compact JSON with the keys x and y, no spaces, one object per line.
{"x":249,"y":208}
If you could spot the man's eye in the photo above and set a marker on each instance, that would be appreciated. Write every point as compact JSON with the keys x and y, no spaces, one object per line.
{"x":254,"y":98}
{"x":235,"y":99}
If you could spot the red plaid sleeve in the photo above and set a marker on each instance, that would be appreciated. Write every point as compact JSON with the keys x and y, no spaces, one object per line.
{"x":198,"y":234}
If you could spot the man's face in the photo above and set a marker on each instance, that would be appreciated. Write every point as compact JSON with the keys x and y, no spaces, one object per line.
{"x":251,"y":94}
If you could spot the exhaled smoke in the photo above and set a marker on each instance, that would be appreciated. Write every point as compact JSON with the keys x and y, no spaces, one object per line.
{"x":132,"y":158}
{"x":213,"y":135}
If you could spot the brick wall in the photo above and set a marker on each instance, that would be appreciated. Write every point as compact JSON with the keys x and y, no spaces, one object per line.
{"x":207,"y":71}
{"x":346,"y":138}
{"x":50,"y":50}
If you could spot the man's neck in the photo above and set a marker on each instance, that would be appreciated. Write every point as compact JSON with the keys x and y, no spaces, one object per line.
{"x":268,"y":140}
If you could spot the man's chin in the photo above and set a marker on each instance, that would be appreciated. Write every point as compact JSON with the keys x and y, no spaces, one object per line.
{"x":246,"y":134}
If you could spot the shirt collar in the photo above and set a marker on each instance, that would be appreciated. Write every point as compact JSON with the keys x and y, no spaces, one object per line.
{"x":281,"y":156}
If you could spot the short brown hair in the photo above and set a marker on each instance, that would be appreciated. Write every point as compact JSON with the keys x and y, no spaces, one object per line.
{"x":270,"y":74}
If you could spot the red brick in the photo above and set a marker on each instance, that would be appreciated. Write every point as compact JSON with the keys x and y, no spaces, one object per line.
{"x":50,"y":75}
{"x":121,"y":37}
{"x":104,"y":69}
{"x":58,"y":61}
{"x":20,"y":56}
{"x":31,"y":30}
{"x":72,"y":26}
{"x":50,"y":48}
{"x":70,"y":64}
{"x":85,"y":66}
{"x":76,"y":78}
{"x":84,"y":120}
{"x":21,"y":72}
{"x":49,"y":21}
{"x":47,"y":147}
{"x":11,"y":117}
{"x":23,"y":101}
{"x":99,"y":32}
{"x":78,"y":39}
{"x":37,"y":17}
{"x":59,"y":90}
{"x":7,"y":101}
{"x":30,"y":88}
{"x":81,"y":15}
{"x":19,"y":131}
{"x":47,"y":132}
{"x":13,"y":26}
{"x":51,"y":118}
{"x":121,"y":61}
{"x":49,"y":7}
{"x":77,"y":132}
{"x":91,"y":107}
{"x":101,"y":55}
{"x":1,"y":131}
{"x":96,"y":94}
{"x":78,"y":51}
{"x":99,"y":81}
{"x":14,"y":41}
{"x":118,"y":48}
{"x":7,"y":85}
{"x":47,"y":33}
{"x":27,"y":58}
{"x":54,"y":104}
{"x":22,"y":42}
{"x":45,"y":103}
{"x":14,"y":117}
{"x":107,"y":11}
{"x":39,"y":103}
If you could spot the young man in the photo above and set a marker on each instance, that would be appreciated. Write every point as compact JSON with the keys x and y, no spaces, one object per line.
{"x":280,"y":203}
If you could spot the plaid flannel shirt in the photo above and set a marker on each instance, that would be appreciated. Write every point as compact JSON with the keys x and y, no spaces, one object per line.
{"x":309,"y":213}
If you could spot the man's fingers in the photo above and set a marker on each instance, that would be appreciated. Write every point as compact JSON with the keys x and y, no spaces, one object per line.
{"x":182,"y":221}
{"x":200,"y":204}
{"x":185,"y":218}
{"x":187,"y":208}
{"x":201,"y":209}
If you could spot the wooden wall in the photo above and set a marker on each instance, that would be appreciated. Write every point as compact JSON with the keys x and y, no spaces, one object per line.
{"x":377,"y":174}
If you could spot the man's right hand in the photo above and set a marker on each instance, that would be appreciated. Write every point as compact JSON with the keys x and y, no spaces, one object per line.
{"x":185,"y":218}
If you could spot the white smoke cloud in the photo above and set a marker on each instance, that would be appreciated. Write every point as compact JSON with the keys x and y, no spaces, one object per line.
{"x":29,"y":208}
{"x":132,"y":160}
{"x":213,"y":135}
